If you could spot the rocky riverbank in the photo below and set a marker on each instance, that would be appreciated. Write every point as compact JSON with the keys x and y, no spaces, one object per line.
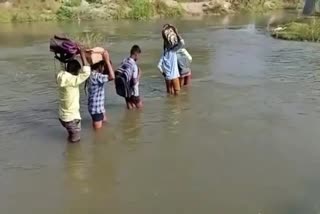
{"x":60,"y":10}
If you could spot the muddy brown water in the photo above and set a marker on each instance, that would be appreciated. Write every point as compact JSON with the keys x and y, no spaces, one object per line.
{"x":243,"y":139}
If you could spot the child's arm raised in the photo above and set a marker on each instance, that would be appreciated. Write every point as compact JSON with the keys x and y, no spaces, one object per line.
{"x":72,"y":80}
{"x":106,"y":58}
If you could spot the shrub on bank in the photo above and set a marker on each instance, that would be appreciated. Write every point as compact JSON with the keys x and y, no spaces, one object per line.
{"x":64,"y":13}
{"x":146,"y":9}
{"x":89,"y":39}
{"x":164,"y":10}
{"x":140,"y":9}
{"x":299,"y":31}
{"x":5,"y":16}
{"x":28,"y":10}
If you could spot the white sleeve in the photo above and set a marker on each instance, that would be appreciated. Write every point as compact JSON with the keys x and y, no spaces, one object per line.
{"x":160,"y":65}
{"x":186,"y":53}
{"x":135,"y":72}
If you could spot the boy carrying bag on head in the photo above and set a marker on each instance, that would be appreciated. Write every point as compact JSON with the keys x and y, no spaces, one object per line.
{"x":68,"y":82}
{"x":101,"y":73}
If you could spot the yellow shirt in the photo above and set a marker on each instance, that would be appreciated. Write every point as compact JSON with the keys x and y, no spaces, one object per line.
{"x":69,"y":95}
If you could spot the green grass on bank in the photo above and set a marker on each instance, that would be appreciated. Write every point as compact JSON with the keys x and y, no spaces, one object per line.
{"x":21,"y":15}
{"x":126,"y":9}
{"x":299,"y":31}
{"x":145,"y":9}
{"x":89,"y":39}
{"x":48,"y":10}
{"x":28,"y":10}
{"x":140,"y":9}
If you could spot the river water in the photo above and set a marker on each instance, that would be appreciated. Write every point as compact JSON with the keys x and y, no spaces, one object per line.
{"x":243,"y":139}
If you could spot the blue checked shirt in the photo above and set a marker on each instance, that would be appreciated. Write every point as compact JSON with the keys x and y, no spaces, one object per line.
{"x":96,"y":92}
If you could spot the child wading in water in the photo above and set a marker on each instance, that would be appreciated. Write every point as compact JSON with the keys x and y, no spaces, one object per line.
{"x":184,"y":64}
{"x":127,"y":79}
{"x":168,"y":64}
{"x":69,"y":96}
{"x":102,"y":72}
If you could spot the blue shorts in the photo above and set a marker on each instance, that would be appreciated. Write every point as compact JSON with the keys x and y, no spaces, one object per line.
{"x":97,"y":117}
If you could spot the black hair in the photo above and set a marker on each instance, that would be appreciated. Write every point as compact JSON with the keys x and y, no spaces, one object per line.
{"x":135,"y":49}
{"x":73,"y":67}
{"x":97,"y":66}
{"x":100,"y":67}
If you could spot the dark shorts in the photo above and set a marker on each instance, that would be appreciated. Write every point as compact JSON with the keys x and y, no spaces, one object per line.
{"x":97,"y":117}
{"x":73,"y":127}
{"x":133,"y":99}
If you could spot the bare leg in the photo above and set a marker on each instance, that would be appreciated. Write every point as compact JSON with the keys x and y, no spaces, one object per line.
{"x":168,"y":86}
{"x":175,"y":86}
{"x":138,"y":102}
{"x":182,"y":82}
{"x":172,"y":91}
{"x":97,"y":124}
{"x":130,"y":105}
{"x":187,"y":80}
{"x":176,"y":92}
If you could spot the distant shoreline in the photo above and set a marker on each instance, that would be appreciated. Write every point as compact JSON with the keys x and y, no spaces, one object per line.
{"x":64,"y":10}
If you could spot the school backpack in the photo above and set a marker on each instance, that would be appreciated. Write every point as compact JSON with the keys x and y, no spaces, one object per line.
{"x":169,"y":35}
{"x":123,"y":79}
{"x":184,"y":61}
{"x":63,"y":48}
{"x":122,"y":87}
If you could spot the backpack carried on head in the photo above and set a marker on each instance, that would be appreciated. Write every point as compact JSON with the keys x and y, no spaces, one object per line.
{"x":63,"y":48}
{"x":169,"y":35}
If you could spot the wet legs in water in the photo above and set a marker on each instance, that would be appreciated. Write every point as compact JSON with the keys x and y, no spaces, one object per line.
{"x":173,"y":86}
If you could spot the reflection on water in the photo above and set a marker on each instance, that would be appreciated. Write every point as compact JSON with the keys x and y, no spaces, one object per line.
{"x":77,"y":169}
{"x":130,"y":127}
{"x":242,"y":139}
{"x":89,"y":179}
